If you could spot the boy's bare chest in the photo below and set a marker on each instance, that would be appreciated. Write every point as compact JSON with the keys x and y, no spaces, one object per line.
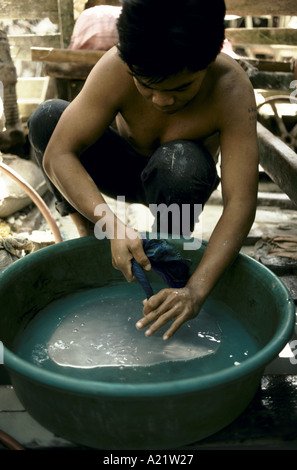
{"x":147,"y":131}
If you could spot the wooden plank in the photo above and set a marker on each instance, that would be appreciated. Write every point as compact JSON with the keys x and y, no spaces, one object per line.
{"x":66,"y":55}
{"x":263,"y":65}
{"x":21,"y":45}
{"x":86,"y":57}
{"x":279,"y":161}
{"x":68,"y":70}
{"x":272,"y":81}
{"x":261,"y":7}
{"x":32,"y":9}
{"x":286,"y":36}
{"x":20,"y":9}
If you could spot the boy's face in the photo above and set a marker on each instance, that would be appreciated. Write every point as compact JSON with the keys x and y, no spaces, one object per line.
{"x":174,"y":93}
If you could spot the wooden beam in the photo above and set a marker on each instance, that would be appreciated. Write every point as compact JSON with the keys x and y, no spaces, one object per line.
{"x":261,"y":7}
{"x":279,"y":161}
{"x":15,"y":9}
{"x":50,"y":55}
{"x":272,"y":81}
{"x":83,"y":56}
{"x":70,"y":71}
{"x":263,"y":65}
{"x":287,"y":36}
{"x":21,"y":45}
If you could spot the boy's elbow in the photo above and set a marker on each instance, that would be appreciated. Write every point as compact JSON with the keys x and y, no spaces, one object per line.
{"x":47,"y":164}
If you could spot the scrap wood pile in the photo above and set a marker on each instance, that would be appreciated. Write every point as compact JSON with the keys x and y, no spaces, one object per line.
{"x":12,"y":247}
{"x":284,"y":246}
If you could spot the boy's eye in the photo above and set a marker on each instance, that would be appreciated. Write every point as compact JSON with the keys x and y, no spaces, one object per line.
{"x":177,"y":90}
{"x":181,"y":89}
{"x":143,"y":84}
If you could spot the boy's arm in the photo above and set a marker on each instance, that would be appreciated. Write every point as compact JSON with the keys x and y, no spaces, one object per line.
{"x":239,"y":173}
{"x":81,"y":124}
{"x":239,"y":181}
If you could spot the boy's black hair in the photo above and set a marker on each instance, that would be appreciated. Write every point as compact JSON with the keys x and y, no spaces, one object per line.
{"x":160,"y":38}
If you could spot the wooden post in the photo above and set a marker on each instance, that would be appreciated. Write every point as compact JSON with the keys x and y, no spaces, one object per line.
{"x":278,"y":161}
{"x":66,"y":21}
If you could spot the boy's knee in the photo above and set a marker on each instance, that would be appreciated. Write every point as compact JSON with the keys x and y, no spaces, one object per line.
{"x":49,"y":110}
{"x":43,"y":121}
{"x":183,"y":158}
{"x":185,"y":168}
{"x":174,"y":155}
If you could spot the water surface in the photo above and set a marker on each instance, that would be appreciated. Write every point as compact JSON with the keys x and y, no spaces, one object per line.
{"x":92,"y":335}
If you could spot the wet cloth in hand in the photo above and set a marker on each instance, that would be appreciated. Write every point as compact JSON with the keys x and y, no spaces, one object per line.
{"x":166,"y":261}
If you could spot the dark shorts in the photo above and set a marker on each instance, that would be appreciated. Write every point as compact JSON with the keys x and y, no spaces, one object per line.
{"x":179,"y":172}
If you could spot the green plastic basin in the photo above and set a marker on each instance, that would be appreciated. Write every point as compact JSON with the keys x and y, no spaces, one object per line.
{"x":163,"y":415}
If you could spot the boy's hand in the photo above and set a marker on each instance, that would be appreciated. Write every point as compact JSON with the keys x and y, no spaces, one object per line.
{"x":124,"y":250}
{"x":179,"y":305}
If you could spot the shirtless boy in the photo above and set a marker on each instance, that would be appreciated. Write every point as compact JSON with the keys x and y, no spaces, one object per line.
{"x":166,"y":81}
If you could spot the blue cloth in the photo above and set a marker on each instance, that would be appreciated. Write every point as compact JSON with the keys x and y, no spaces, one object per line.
{"x":166,"y":261}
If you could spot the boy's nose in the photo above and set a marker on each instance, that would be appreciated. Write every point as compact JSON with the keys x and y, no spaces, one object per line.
{"x":162,"y":99}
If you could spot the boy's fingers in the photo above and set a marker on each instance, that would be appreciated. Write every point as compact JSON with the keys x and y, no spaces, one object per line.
{"x":142,"y":259}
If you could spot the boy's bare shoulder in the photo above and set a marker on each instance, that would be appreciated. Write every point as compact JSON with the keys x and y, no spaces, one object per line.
{"x":110,"y":73}
{"x":233,"y":95}
{"x":232,"y":81}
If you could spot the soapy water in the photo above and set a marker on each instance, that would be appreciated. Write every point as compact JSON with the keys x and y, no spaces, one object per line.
{"x":92,"y":335}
